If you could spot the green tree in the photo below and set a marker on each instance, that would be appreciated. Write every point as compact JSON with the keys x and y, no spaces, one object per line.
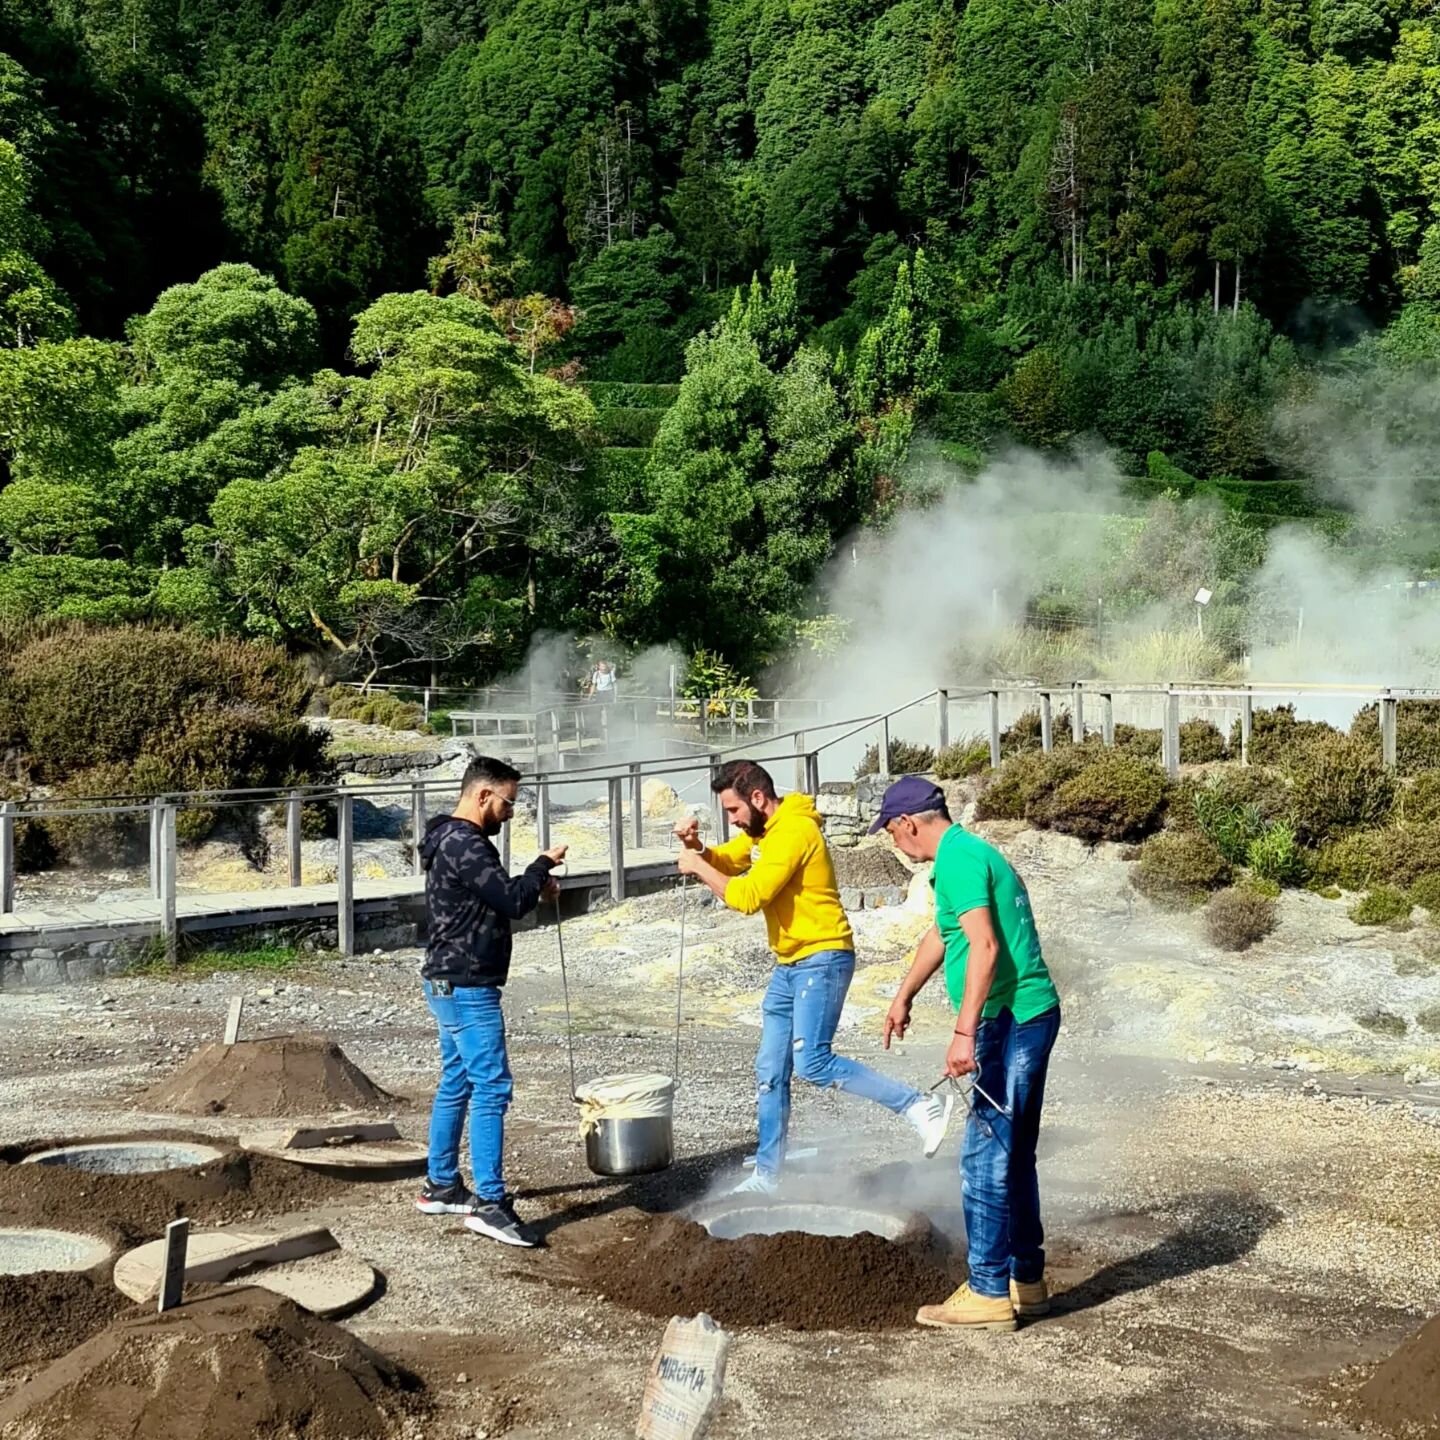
{"x":703,"y":205}
{"x":447,"y":454}
{"x":632,"y":299}
{"x":607,"y":198}
{"x":749,"y":482}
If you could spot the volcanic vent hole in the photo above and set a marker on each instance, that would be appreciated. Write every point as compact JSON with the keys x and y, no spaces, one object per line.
{"x":129,"y":1157}
{"x":833,"y":1220}
{"x":30,"y":1252}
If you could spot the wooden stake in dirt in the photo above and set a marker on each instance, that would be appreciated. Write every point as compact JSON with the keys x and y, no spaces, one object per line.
{"x":232,"y":1022}
{"x":172,"y":1283}
{"x":685,"y":1381}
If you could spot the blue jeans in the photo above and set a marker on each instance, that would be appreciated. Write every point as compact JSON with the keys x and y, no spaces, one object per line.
{"x":474,"y":1076}
{"x":999,"y":1189}
{"x":799,"y":1015}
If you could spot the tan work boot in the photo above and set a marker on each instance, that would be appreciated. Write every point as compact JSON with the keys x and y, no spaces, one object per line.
{"x":1030,"y":1299}
{"x":965,"y":1310}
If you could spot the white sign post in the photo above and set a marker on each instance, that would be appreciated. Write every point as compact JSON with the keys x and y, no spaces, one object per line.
{"x":1202,"y":599}
{"x":685,"y":1381}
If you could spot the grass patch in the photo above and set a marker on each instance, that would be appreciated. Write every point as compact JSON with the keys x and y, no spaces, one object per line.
{"x":1384,"y":905}
{"x":354,"y":746}
{"x":263,"y":959}
{"x":1261,"y":885}
{"x":1382,"y":1022}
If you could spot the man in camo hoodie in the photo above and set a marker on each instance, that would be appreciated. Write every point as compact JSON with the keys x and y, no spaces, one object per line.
{"x":470,"y":903}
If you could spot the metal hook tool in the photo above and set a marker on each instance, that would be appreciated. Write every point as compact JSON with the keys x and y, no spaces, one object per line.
{"x":967,"y":1094}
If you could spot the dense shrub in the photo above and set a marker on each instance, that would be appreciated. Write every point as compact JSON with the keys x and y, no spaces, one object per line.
{"x":1382,"y":1022}
{"x":34,"y":845}
{"x":1135,"y":741}
{"x":1276,"y":856}
{"x":626,"y":427}
{"x":1361,"y":859}
{"x":1249,"y":785}
{"x":343,"y":703}
{"x":1274,"y":734}
{"x":1420,"y":799}
{"x":1384,"y":905}
{"x":620,"y":476}
{"x":1116,"y":797}
{"x":1180,"y":811}
{"x":626,"y":395}
{"x":1027,"y":732}
{"x":1396,"y":855}
{"x":1024,"y":779}
{"x":1178,"y":869}
{"x":133,"y":712}
{"x":1200,"y":742}
{"x":1238,"y":918}
{"x":905,"y":759}
{"x":1417,"y":733}
{"x":970,"y":417}
{"x":962,"y":759}
{"x":98,"y":834}
{"x":1336,"y":784}
{"x":1425,"y":892}
{"x":90,"y":698}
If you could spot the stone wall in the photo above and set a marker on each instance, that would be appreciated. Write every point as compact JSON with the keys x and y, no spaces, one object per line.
{"x":848,"y":808}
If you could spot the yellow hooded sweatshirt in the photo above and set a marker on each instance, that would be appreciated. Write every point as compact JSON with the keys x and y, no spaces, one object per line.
{"x":788,"y":874}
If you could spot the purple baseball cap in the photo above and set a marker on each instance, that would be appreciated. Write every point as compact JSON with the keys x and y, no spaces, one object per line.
{"x":910,"y":795}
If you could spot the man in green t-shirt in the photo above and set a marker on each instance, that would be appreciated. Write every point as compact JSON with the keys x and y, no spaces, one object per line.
{"x":1008,"y":1015}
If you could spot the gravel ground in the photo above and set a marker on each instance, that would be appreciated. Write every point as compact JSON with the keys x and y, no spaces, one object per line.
{"x":1227,"y":1235}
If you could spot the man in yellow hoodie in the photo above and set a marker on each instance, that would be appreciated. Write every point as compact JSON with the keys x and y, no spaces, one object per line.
{"x":780,"y":865}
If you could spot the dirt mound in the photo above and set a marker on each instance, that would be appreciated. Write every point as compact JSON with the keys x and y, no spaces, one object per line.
{"x":869,"y":867}
{"x":229,"y":1367}
{"x":807,"y":1282}
{"x":44,"y":1315}
{"x":287,"y":1075}
{"x":1403,"y":1395}
{"x":131,"y":1208}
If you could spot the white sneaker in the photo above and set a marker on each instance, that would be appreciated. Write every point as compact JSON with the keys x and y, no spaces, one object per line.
{"x":931,"y":1118}
{"x":756,"y":1184}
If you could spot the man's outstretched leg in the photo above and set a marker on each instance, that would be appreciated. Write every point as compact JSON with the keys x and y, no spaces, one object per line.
{"x":821,"y":983}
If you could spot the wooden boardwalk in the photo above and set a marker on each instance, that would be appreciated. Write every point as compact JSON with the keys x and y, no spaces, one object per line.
{"x":140,"y":916}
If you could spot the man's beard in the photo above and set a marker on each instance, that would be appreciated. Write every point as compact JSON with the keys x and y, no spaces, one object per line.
{"x":490,"y":826}
{"x":754,"y":824}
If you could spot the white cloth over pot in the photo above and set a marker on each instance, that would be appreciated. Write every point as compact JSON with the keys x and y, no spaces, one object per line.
{"x":625,"y":1097}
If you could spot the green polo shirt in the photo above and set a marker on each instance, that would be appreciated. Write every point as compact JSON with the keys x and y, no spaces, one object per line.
{"x":970,"y":874}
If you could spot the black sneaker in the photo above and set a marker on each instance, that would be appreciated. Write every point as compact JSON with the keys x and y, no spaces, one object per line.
{"x":445,"y":1199}
{"x":498,"y":1220}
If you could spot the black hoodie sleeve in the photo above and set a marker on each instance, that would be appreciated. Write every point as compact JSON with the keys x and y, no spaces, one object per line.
{"x":513,"y":896}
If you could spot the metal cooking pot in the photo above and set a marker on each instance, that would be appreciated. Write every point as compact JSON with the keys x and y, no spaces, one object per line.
{"x":630,"y":1147}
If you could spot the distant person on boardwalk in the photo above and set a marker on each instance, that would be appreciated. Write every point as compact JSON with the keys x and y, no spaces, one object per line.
{"x":1007,"y":1018}
{"x":471,"y":901}
{"x":780,"y":865}
{"x":602,"y":682}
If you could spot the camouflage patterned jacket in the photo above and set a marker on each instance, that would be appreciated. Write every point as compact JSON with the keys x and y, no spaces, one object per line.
{"x":470,"y":902}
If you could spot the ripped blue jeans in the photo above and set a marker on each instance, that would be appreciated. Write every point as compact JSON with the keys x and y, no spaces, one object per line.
{"x":799,"y":1015}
